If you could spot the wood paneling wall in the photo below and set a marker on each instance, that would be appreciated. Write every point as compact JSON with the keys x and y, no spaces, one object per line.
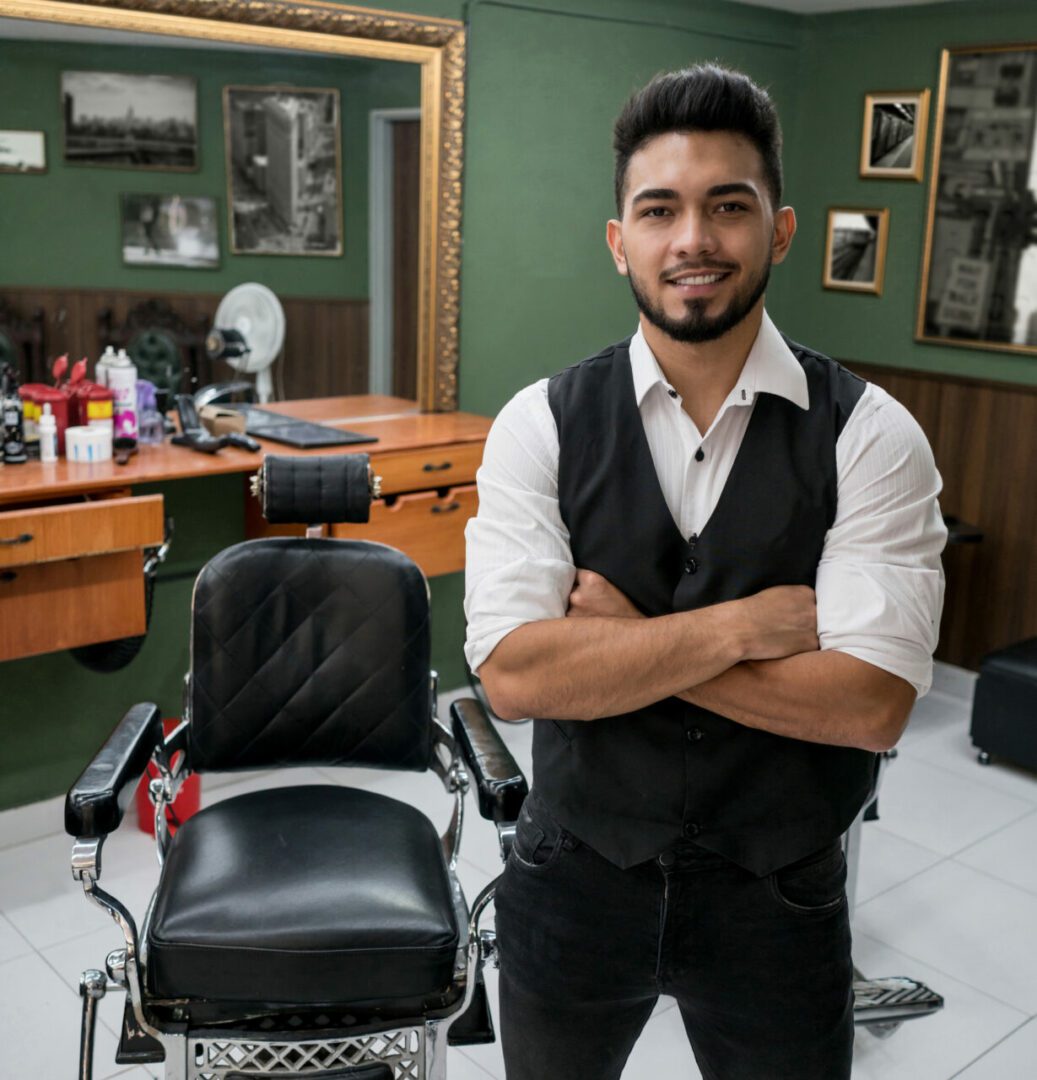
{"x":326,"y":340}
{"x":984,"y":439}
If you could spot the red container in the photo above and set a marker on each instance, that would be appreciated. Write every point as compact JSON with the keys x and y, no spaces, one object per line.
{"x":90,"y":403}
{"x":34,"y":396}
{"x":184,"y":805}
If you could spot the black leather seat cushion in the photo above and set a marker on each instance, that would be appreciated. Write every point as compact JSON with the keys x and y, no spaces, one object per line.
{"x":1018,"y":661}
{"x":306,"y":896}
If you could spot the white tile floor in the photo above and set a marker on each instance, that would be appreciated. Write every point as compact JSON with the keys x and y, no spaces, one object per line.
{"x":947,"y":894}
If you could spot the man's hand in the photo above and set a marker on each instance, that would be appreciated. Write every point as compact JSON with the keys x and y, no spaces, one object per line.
{"x":776,"y":622}
{"x":594,"y":595}
{"x":779,"y":622}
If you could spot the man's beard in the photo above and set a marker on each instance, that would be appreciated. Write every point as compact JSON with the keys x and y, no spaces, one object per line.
{"x":695,"y":326}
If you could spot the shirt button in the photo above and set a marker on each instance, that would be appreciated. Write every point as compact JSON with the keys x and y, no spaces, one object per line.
{"x":700,"y":454}
{"x":690,"y":566}
{"x":672,"y":393}
{"x":692,"y":829}
{"x":695,"y":734}
{"x":693,"y":540}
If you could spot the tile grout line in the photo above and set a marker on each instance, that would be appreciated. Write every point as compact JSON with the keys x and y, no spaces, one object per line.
{"x":956,"y":978}
{"x":918,"y":873}
{"x":994,"y":1046}
{"x":993,"y":877}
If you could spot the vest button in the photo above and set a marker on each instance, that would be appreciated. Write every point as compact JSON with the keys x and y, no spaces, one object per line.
{"x":695,"y":734}
{"x":667,"y":859}
{"x":692,"y":829}
{"x":690,"y":566}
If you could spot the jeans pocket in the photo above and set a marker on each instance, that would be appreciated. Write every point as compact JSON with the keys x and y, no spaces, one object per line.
{"x":538,"y":837}
{"x":815,"y":885}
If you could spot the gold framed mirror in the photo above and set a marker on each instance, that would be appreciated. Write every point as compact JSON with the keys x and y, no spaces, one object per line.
{"x":437,"y":46}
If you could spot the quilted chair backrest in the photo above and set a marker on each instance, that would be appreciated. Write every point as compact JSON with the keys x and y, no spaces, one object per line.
{"x":310,"y":652}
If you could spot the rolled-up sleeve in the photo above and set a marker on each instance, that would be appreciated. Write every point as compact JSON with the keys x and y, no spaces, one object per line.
{"x":880,"y":581}
{"x":518,"y":566}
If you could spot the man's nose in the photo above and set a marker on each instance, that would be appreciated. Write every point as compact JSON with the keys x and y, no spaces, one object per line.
{"x":694,"y":235}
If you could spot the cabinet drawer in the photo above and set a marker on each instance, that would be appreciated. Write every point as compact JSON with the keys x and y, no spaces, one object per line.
{"x":71,"y":530}
{"x":434,"y":467}
{"x":426,"y":527}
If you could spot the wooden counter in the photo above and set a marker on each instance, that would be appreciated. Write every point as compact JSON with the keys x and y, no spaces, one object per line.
{"x":396,"y":422}
{"x":66,"y":552}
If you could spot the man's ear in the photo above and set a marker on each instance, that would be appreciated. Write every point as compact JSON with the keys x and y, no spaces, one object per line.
{"x":614,"y":238}
{"x":784,"y":231}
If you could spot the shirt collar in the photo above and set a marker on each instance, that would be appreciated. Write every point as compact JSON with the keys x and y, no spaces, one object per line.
{"x":770,"y":368}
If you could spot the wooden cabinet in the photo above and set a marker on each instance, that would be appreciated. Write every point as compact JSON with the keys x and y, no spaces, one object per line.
{"x":72,"y":574}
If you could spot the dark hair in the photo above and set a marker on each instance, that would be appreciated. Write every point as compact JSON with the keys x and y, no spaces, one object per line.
{"x":706,"y":97}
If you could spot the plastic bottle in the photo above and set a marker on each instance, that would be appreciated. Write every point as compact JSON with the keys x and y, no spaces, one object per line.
{"x":101,"y":371}
{"x":48,"y":426}
{"x":150,"y":426}
{"x":122,"y":381}
{"x":12,"y":418}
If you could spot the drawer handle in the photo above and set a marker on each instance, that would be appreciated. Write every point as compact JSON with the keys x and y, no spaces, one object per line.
{"x":429,"y":467}
{"x":448,"y":509}
{"x":10,"y":541}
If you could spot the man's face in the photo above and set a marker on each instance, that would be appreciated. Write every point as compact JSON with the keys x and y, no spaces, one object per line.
{"x":698,"y":233}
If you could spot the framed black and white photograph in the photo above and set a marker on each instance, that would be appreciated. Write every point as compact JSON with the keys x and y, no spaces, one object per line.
{"x":284,"y":170}
{"x":979,"y":272}
{"x":23,"y":152}
{"x":170,"y":230}
{"x":130,"y":121}
{"x":855,"y":249}
{"x":893,"y":138}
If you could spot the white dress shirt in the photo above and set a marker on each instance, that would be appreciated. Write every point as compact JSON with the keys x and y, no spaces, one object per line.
{"x":879,"y":584}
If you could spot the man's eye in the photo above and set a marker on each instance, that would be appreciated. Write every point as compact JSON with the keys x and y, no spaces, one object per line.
{"x":731,"y":207}
{"x":656,"y":211}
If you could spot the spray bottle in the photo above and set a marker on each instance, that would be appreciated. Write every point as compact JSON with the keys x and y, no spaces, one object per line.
{"x":122,"y":381}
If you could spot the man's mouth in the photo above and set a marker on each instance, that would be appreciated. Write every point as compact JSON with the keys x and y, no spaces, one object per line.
{"x":698,"y":279}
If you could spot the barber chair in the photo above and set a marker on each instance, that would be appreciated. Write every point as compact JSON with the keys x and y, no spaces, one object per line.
{"x":316,"y":931}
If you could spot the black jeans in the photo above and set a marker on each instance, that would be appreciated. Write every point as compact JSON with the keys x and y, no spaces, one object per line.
{"x":760,"y":967}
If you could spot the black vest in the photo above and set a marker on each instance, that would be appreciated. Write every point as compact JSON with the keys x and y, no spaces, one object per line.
{"x":633,"y":785}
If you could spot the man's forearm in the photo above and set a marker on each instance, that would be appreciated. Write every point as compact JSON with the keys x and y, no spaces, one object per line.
{"x":583,"y":669}
{"x":826,"y":697}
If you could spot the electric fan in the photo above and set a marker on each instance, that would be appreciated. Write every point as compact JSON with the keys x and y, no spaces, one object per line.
{"x":249,"y":334}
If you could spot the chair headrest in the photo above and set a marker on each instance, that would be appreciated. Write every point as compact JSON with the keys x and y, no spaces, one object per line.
{"x":316,"y":490}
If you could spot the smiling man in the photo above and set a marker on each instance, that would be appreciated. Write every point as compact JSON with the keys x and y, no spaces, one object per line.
{"x":707,"y":561}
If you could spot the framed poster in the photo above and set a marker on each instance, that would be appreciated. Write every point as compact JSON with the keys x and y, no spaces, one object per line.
{"x":170,"y":230}
{"x":23,"y":152}
{"x":130,"y":121}
{"x":979,"y":272}
{"x":284,"y":170}
{"x":893,"y":135}
{"x":855,"y":249}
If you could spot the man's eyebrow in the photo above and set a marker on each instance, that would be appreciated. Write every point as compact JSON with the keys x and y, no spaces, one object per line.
{"x":737,"y":188}
{"x":654,"y":194}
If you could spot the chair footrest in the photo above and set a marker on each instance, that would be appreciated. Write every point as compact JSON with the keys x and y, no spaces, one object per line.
{"x":892,"y":1000}
{"x":475,"y":1025}
{"x":136,"y":1046}
{"x":373,"y":1071}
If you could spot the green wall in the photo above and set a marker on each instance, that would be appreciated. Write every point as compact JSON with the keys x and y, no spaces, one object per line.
{"x":847,"y":56}
{"x":545,"y":81}
{"x":62,"y":228}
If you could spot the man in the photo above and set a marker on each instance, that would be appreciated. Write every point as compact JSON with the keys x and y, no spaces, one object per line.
{"x":707,"y":560}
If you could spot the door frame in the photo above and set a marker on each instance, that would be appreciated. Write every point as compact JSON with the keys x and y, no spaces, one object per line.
{"x":379,"y":246}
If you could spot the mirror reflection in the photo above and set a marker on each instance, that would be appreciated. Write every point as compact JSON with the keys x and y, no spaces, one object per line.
{"x":176,"y":171}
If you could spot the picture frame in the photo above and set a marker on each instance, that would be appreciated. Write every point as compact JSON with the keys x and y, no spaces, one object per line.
{"x":893,"y":135}
{"x":284,"y":170}
{"x":130,"y":120}
{"x":23,"y":152}
{"x":979,"y":268}
{"x":170,"y":230}
{"x":855,"y":249}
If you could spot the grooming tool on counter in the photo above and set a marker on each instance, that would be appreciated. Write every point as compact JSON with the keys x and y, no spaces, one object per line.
{"x":122,"y":381}
{"x":151,"y":427}
{"x":47,"y":427}
{"x":193,"y":434}
{"x":302,"y":433}
{"x":86,"y":445}
{"x":13,"y":418}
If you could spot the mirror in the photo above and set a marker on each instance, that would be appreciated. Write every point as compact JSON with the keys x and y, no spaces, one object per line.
{"x":318,"y":154}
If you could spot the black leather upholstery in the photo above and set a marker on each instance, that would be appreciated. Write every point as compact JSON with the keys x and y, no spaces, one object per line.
{"x":502,"y":787}
{"x":321,"y":490}
{"x":305,"y":895}
{"x":96,"y":801}
{"x":310,"y":651}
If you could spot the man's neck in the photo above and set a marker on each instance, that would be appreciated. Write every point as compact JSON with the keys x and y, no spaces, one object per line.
{"x":704,"y":373}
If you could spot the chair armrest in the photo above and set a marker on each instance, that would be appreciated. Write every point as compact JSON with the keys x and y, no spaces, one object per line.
{"x":96,"y":801}
{"x":501,"y":785}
